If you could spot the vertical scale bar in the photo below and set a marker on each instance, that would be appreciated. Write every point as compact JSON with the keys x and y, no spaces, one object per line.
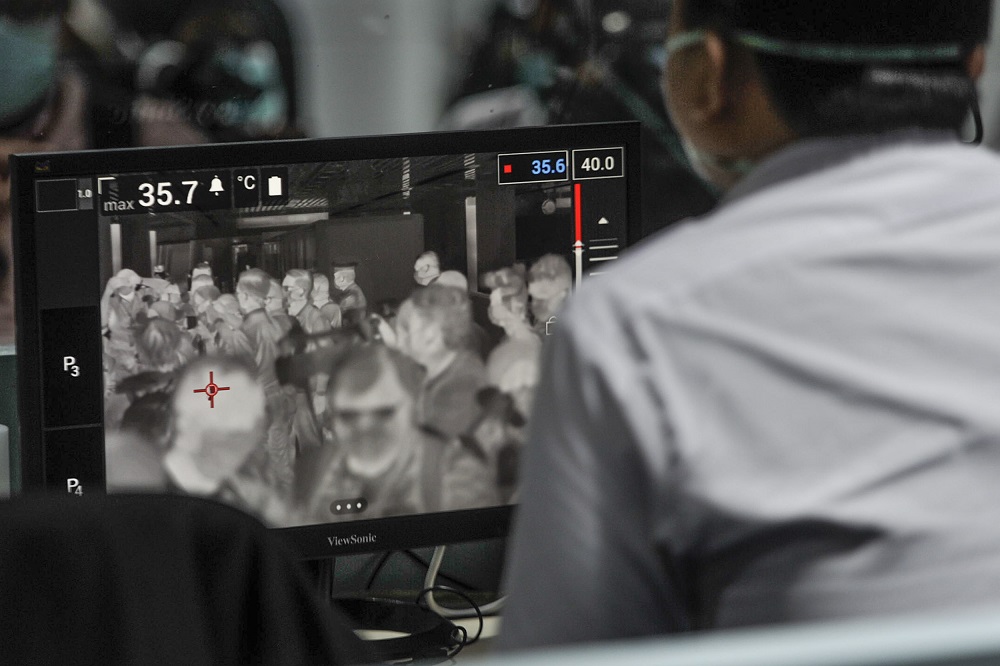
{"x":578,"y":234}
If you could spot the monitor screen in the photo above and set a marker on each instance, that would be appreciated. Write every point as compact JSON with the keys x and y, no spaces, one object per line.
{"x":340,"y":336}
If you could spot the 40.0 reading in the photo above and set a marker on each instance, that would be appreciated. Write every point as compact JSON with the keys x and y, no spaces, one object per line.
{"x":590,"y":163}
{"x":597,"y":164}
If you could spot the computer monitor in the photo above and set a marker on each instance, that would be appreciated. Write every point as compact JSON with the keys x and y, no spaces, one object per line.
{"x":281,"y":272}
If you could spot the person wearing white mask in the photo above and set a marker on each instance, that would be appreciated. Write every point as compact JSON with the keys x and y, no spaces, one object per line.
{"x":784,"y":411}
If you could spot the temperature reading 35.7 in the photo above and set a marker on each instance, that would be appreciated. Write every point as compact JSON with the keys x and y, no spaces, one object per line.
{"x":163,"y":193}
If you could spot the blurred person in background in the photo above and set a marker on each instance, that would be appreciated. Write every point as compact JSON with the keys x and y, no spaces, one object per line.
{"x":784,"y":411}
{"x":225,"y":67}
{"x":116,"y":73}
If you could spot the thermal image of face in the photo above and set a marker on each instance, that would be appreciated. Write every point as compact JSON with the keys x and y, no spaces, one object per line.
{"x":427,"y":268}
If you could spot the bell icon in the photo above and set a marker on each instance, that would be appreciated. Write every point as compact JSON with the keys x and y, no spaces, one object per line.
{"x":216,"y":186}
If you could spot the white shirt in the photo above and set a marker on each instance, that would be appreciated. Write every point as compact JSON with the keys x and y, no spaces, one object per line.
{"x":789,"y":410}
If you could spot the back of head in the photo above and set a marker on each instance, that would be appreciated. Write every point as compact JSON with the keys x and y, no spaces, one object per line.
{"x":255,"y":282}
{"x":217,"y":417}
{"x":856,"y":66}
{"x":447,"y":307}
{"x":158,"y":345}
{"x":226,"y":308}
{"x":361,"y":367}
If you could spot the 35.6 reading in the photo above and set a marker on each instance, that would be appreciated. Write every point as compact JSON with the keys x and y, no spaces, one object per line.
{"x":548,"y":166}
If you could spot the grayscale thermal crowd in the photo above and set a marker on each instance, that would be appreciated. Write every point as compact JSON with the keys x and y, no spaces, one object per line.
{"x":296,"y":399}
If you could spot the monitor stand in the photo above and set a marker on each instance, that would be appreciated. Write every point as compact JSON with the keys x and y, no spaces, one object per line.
{"x":395,"y":630}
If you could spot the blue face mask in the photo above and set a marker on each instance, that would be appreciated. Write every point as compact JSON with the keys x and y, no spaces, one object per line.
{"x":27,"y":65}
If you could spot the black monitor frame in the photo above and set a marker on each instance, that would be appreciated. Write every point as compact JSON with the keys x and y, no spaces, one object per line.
{"x":409,"y":531}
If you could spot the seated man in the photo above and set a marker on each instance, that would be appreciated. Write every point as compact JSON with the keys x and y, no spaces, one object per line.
{"x":434,"y":327}
{"x":784,"y":412}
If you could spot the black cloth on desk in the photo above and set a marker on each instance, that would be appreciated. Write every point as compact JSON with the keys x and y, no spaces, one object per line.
{"x":133,"y":579}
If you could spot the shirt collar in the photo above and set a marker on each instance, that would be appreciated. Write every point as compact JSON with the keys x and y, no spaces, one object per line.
{"x":809,"y":156}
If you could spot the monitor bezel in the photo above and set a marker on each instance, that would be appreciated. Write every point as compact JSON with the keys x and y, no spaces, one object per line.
{"x":312,"y":541}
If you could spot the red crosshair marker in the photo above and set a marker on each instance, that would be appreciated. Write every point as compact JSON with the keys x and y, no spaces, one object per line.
{"x":211,"y":389}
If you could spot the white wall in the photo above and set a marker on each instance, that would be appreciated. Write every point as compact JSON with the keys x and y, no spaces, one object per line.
{"x":378,"y":66}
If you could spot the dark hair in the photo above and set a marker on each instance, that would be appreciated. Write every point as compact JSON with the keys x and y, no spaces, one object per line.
{"x":827,"y":99}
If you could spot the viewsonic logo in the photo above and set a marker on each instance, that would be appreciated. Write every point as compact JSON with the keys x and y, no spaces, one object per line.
{"x":353,"y":540}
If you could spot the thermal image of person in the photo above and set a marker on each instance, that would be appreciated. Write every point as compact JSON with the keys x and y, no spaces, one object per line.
{"x":203,"y":335}
{"x":264,"y":334}
{"x":162,"y":347}
{"x":377,"y":452}
{"x":380,"y":454}
{"x":350,"y":297}
{"x":276,"y":307}
{"x":226,"y":321}
{"x":550,"y":280}
{"x":297,"y":287}
{"x":120,"y":303}
{"x":426,"y":268}
{"x":210,"y":445}
{"x":434,"y":326}
{"x":783,"y":412}
{"x":509,"y":310}
{"x":320,"y":297}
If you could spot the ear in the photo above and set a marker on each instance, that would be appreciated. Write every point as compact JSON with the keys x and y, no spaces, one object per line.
{"x":975,"y":63}
{"x":715,"y":78}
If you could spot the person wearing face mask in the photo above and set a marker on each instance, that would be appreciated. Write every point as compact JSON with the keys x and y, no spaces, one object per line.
{"x":297,"y":287}
{"x":350,"y":297}
{"x":743,"y":421}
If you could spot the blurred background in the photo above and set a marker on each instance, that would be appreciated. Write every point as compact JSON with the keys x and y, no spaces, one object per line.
{"x":145,"y":72}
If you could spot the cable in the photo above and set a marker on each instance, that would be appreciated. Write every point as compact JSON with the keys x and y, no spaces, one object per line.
{"x":464,"y":640}
{"x":446,"y":577}
{"x":430,"y":585}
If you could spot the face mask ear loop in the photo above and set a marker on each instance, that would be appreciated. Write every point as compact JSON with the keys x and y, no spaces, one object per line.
{"x":977,"y":115}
